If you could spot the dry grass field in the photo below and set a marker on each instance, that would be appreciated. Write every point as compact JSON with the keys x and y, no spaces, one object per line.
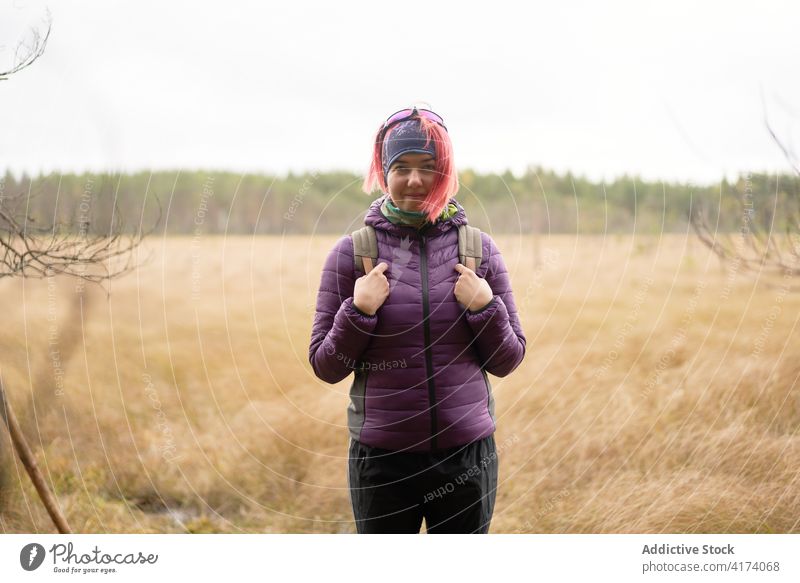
{"x":659,"y":393}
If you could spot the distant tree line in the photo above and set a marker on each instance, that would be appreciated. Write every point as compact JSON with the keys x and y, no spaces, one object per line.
{"x":332,"y":202}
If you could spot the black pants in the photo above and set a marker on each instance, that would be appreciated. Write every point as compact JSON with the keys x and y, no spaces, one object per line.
{"x":453,"y":489}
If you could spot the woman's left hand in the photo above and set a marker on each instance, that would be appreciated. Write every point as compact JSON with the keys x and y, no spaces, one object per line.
{"x":472,"y":291}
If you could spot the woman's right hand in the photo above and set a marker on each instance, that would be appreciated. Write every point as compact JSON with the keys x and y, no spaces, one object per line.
{"x":371,"y":290}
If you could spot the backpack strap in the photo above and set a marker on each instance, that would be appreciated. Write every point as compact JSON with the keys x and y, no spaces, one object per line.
{"x":365,"y":248}
{"x":470,"y":247}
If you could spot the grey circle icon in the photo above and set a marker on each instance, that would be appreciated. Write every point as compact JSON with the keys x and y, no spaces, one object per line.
{"x":31,"y":556}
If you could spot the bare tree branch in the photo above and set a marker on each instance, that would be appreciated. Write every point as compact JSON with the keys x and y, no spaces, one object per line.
{"x":786,"y":152}
{"x":761,"y":248}
{"x":28,"y":52}
{"x":29,"y":248}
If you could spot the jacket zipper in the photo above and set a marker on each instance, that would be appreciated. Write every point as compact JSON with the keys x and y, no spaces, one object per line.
{"x":426,"y":326}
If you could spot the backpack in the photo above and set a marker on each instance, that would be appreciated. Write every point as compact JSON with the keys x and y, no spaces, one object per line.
{"x":365,"y":248}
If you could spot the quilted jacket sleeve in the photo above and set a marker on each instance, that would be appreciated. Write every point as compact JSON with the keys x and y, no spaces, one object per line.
{"x":341,"y":332}
{"x":499,"y":338}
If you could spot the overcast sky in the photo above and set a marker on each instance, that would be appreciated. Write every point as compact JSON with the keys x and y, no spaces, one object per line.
{"x":670,"y":90}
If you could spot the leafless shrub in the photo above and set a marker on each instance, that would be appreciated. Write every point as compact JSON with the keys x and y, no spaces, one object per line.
{"x":760,"y":246}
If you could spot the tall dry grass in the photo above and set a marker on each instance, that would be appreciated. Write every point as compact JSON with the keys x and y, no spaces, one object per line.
{"x":659,"y":393}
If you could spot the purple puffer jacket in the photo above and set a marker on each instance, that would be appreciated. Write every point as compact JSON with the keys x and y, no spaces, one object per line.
{"x":420,"y":362}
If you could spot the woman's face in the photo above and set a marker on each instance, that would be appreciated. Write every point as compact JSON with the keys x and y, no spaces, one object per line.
{"x":410,"y":180}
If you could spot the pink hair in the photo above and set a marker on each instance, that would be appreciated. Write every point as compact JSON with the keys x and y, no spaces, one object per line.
{"x":446,"y":184}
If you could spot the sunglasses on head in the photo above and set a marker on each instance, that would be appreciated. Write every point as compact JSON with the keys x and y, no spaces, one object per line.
{"x":410,"y":113}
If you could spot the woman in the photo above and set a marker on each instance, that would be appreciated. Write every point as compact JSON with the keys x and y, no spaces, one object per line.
{"x":420,"y":331}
